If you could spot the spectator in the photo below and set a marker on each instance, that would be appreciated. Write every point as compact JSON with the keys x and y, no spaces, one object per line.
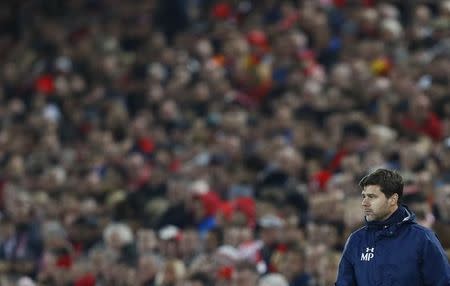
{"x":198,"y":279}
{"x":246,"y":274}
{"x":273,"y":280}
{"x":22,"y":248}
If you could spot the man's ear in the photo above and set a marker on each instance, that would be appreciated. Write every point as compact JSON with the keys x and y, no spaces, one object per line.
{"x":393,"y":200}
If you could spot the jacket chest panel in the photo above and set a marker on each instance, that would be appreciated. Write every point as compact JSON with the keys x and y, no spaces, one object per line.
{"x":385,"y":261}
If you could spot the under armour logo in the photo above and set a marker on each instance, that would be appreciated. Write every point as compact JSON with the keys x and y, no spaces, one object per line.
{"x":368,"y":255}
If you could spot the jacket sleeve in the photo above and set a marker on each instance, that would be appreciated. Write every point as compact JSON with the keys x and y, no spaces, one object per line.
{"x":346,"y":273}
{"x":435,"y":265}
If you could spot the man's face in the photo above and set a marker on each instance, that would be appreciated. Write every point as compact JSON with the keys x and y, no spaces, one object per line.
{"x":375,"y":205}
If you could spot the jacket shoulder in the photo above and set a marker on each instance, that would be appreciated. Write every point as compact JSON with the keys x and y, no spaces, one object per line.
{"x":424,"y":233}
{"x":421,"y":230}
{"x":359,"y":231}
{"x":356,"y":235}
{"x":353,"y":239}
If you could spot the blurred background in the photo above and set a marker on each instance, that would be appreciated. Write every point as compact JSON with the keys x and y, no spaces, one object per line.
{"x":202,"y":142}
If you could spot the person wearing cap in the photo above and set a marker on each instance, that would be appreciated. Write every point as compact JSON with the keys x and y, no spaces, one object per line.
{"x":271,"y":227}
{"x":392,"y":248}
{"x":169,"y":241}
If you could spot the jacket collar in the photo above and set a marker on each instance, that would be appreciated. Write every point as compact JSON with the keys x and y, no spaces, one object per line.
{"x":402,"y":215}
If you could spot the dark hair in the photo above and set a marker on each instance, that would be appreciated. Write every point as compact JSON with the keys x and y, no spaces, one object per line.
{"x":296,"y":248}
{"x":390,"y":182}
{"x":201,"y":277}
{"x":246,"y":265}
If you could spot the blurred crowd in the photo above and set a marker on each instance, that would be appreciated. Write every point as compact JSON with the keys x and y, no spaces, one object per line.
{"x":201,"y":142}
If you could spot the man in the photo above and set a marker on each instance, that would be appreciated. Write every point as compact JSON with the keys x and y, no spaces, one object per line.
{"x":392,"y":249}
{"x":293,"y":266}
{"x":22,"y":249}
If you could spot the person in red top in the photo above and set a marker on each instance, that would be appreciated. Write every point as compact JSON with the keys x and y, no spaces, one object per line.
{"x":420,"y":118}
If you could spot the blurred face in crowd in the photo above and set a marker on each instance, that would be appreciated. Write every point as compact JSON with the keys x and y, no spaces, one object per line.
{"x":376,"y":206}
{"x":146,"y":240}
{"x":328,"y":266}
{"x":423,"y":213}
{"x":173,"y":272}
{"x":419,"y":107}
{"x":322,"y":233}
{"x":19,"y":207}
{"x":169,"y":248}
{"x":189,"y":244}
{"x":231,"y":236}
{"x":293,"y":264}
{"x":245,"y":277}
{"x":212,"y":241}
{"x":124,"y":274}
{"x":176,"y":191}
{"x":147,"y":267}
{"x":443,"y":202}
{"x":270,"y":235}
{"x":235,"y":235}
{"x":422,"y":14}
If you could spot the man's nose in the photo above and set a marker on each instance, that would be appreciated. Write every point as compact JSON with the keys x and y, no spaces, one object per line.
{"x":365,"y":202}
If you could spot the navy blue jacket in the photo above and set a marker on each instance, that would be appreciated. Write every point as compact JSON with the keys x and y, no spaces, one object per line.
{"x":397,"y":252}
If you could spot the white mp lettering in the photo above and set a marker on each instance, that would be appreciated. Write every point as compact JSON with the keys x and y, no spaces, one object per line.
{"x":366,"y":256}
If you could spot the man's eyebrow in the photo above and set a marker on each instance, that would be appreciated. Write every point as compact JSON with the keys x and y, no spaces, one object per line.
{"x":368,"y":193}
